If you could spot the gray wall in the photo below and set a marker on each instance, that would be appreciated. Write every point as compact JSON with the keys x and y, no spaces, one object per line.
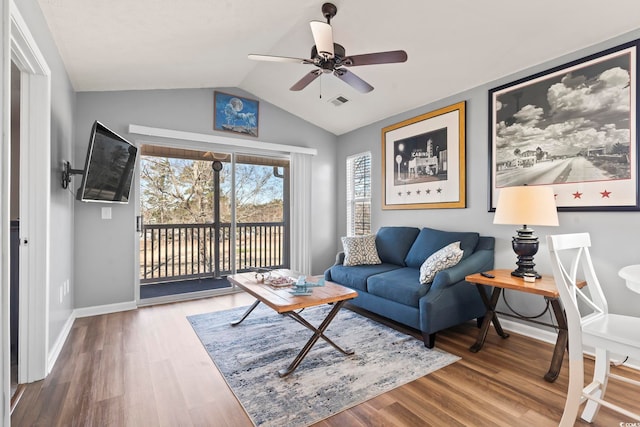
{"x":61,"y":218}
{"x":614,"y":234}
{"x":104,"y":256}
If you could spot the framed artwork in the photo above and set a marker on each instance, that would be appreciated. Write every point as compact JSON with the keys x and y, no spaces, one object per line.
{"x":423,"y":161}
{"x":232,"y":113}
{"x":574,"y":128}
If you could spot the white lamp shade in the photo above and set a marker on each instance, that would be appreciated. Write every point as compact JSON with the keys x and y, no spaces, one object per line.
{"x":527,"y":205}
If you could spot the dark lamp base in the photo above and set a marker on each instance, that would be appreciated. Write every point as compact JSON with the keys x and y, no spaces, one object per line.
{"x":525,"y":245}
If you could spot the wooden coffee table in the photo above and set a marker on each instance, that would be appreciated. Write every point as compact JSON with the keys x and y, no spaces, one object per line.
{"x":280,"y":300}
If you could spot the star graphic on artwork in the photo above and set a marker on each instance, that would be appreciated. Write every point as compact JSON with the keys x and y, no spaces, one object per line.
{"x":418,"y":192}
{"x":577,"y":195}
{"x":439,"y":190}
{"x":428,"y":191}
{"x":399,"y":193}
{"x":408,"y":193}
{"x":605,"y":194}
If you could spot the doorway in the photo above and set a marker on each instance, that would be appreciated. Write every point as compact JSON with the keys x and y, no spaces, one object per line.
{"x":34,"y":205}
{"x":14,"y":302}
{"x":205,"y":215}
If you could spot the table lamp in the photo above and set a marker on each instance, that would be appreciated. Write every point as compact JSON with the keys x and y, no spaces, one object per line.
{"x":527,"y":205}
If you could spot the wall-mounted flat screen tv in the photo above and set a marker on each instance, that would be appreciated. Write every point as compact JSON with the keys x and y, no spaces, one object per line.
{"x":108,"y":170}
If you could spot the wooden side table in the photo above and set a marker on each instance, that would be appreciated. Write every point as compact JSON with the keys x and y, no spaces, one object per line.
{"x":544,"y":286}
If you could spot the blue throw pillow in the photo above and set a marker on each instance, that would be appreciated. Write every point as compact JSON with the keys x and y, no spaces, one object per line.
{"x":393,"y":243}
{"x":431,"y":240}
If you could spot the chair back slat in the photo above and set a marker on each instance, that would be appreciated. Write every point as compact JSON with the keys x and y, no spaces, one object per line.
{"x":576,"y":248}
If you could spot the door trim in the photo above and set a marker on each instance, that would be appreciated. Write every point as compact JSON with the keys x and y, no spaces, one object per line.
{"x":35,"y":201}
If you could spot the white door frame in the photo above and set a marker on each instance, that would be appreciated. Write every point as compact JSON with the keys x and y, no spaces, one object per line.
{"x":20,"y":47}
{"x":35,"y":201}
{"x":5,"y":191}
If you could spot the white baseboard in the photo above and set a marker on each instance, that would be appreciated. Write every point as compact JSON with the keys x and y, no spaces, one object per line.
{"x":550,"y":337}
{"x":529,"y":331}
{"x":57,"y":347}
{"x":104,"y":309}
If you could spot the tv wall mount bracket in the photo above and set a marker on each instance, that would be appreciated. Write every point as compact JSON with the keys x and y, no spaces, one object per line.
{"x":67,"y":171}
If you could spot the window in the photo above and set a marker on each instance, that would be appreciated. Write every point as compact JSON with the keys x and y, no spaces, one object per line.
{"x":359,"y":194}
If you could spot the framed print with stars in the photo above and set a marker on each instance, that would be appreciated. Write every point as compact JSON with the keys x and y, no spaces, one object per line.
{"x":573,"y":127}
{"x":423,"y":161}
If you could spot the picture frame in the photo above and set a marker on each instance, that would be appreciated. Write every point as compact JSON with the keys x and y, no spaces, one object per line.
{"x":237,"y":114}
{"x":573,"y":127}
{"x":423,"y":161}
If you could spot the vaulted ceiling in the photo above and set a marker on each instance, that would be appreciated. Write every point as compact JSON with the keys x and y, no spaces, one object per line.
{"x":451,"y":45}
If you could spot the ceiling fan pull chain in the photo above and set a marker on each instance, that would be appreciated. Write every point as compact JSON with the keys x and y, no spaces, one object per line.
{"x":320,"y":86}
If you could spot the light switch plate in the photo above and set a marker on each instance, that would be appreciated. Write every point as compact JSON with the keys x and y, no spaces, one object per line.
{"x":106,"y":213}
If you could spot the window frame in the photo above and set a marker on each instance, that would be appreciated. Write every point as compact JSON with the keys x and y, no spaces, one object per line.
{"x":353,"y":199}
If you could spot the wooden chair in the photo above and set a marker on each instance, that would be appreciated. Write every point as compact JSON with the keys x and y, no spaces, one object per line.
{"x":607,"y":333}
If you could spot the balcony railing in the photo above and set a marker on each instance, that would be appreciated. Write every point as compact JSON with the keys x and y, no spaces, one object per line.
{"x":183,"y":251}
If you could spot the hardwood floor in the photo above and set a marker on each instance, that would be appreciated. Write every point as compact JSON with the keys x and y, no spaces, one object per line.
{"x":147,"y":368}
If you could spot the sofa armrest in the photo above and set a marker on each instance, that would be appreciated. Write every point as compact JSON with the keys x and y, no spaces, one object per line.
{"x":478,"y":261}
{"x":339,"y":261}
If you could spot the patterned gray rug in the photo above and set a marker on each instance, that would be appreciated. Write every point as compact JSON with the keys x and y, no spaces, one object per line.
{"x":326,"y":382}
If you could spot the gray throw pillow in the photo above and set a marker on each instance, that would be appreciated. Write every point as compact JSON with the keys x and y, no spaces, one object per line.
{"x":360,"y":250}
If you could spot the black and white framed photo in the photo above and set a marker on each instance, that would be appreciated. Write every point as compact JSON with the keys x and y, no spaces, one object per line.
{"x":574,"y":128}
{"x":423,"y":161}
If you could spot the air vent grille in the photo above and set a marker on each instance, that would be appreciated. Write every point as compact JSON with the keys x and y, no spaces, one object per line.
{"x":339,"y":100}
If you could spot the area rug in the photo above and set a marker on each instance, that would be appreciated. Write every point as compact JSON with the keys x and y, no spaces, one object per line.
{"x":326,"y":382}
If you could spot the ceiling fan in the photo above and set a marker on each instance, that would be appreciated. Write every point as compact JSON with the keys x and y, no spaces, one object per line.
{"x":329,"y":56}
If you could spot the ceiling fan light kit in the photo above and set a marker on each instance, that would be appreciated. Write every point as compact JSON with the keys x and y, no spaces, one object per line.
{"x":330,"y":57}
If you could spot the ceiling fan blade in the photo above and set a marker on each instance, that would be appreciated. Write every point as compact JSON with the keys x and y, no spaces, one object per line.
{"x":279,"y":59}
{"x":352,"y":80}
{"x":389,"y":57}
{"x":323,"y":38}
{"x":304,"y":82}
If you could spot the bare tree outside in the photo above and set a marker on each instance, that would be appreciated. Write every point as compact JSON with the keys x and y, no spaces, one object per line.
{"x":178,"y":203}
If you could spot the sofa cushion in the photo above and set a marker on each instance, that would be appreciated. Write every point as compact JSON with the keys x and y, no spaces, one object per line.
{"x":360,"y":250}
{"x":401,"y":285}
{"x":393,"y":243}
{"x":430,"y":240}
{"x":356,"y":277}
{"x":445,"y":258}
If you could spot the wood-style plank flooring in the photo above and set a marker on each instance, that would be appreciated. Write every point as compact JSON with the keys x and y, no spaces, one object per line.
{"x":148,"y":368}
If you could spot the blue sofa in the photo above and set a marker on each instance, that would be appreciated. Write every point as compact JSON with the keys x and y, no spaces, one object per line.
{"x":393,"y":290}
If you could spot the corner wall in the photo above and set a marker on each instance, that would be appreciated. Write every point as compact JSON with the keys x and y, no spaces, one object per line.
{"x":614,"y":234}
{"x":104,"y":254}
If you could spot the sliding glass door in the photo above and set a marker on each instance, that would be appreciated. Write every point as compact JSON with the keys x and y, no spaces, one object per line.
{"x":205,"y":215}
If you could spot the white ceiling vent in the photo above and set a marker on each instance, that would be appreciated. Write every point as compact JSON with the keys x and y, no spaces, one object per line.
{"x":339,"y":100}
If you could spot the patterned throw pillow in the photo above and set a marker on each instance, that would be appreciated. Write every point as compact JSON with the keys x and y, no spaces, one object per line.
{"x":445,"y":258}
{"x":360,"y":250}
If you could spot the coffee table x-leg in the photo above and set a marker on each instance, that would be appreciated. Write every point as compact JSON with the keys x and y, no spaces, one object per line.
{"x":317,"y":333}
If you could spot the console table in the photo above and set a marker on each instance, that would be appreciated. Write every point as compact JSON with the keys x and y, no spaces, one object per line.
{"x":544,"y":287}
